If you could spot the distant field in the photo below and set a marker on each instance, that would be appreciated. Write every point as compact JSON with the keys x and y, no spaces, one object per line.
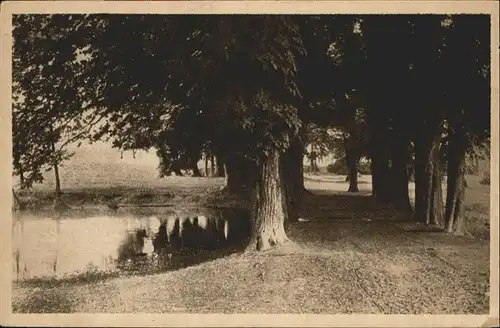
{"x":98,"y":168}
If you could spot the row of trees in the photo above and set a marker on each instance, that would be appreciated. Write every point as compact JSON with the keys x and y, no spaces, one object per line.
{"x":250,"y":89}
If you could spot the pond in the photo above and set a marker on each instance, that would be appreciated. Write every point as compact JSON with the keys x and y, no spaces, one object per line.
{"x":151,"y":240}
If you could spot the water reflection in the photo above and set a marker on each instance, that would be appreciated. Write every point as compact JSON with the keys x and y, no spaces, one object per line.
{"x":61,"y":246}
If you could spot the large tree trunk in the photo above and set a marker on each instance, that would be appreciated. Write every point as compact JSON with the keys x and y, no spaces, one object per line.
{"x":379,"y":142}
{"x":270,"y":205}
{"x":294,"y":176}
{"x":428,"y":198}
{"x":380,"y":163}
{"x":435,"y":194}
{"x":455,"y":186}
{"x":422,"y":182}
{"x":400,"y":195}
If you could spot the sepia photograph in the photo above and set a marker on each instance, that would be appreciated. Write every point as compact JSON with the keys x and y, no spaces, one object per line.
{"x":313,"y":159}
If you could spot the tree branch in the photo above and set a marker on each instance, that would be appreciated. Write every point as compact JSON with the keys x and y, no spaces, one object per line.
{"x":91,"y":124}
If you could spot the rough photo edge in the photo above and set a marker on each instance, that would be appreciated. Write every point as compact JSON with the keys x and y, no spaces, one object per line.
{"x":8,"y":8}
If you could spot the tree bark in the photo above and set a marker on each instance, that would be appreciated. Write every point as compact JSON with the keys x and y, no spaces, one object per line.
{"x":314,"y":167}
{"x":399,"y":195}
{"x":379,"y":152}
{"x":206,"y":165}
{"x":22,"y":183}
{"x":428,"y":177}
{"x":422,"y":182}
{"x":380,"y":169}
{"x":212,"y":165}
{"x":294,"y":176}
{"x":17,"y":203}
{"x":352,"y":158}
{"x":56,"y":174}
{"x":270,"y":205}
{"x":435,"y":194}
{"x":220,"y":170}
{"x":455,"y":186}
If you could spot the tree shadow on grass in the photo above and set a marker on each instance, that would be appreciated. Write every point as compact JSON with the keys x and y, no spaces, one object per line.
{"x":321,"y":204}
{"x":338,"y":222}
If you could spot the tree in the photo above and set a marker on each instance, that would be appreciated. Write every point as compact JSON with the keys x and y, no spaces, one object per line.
{"x":320,"y":143}
{"x":351,"y":121}
{"x":248,"y":104}
{"x":49,"y":109}
{"x":468,"y":101}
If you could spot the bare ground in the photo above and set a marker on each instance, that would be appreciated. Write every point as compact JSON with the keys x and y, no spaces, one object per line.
{"x":349,"y":255}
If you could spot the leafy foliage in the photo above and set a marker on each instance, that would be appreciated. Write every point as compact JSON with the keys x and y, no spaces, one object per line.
{"x":49,"y":98}
{"x":243,"y":85}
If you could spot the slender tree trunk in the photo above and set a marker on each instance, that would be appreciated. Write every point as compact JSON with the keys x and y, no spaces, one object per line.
{"x":212,"y":165}
{"x":195,"y":169}
{"x":400,"y":195}
{"x":206,"y":165}
{"x":353,"y":174}
{"x":56,"y":174}
{"x":17,"y":203}
{"x":455,"y":186}
{"x":164,"y":165}
{"x":270,"y":205}
{"x":22,"y":182}
{"x":313,"y":158}
{"x":220,"y":167}
{"x":351,"y":158}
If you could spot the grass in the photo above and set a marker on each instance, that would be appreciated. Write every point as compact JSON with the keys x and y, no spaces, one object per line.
{"x":349,"y":255}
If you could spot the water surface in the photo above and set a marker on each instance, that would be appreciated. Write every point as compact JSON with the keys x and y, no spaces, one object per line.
{"x":71,"y":244}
